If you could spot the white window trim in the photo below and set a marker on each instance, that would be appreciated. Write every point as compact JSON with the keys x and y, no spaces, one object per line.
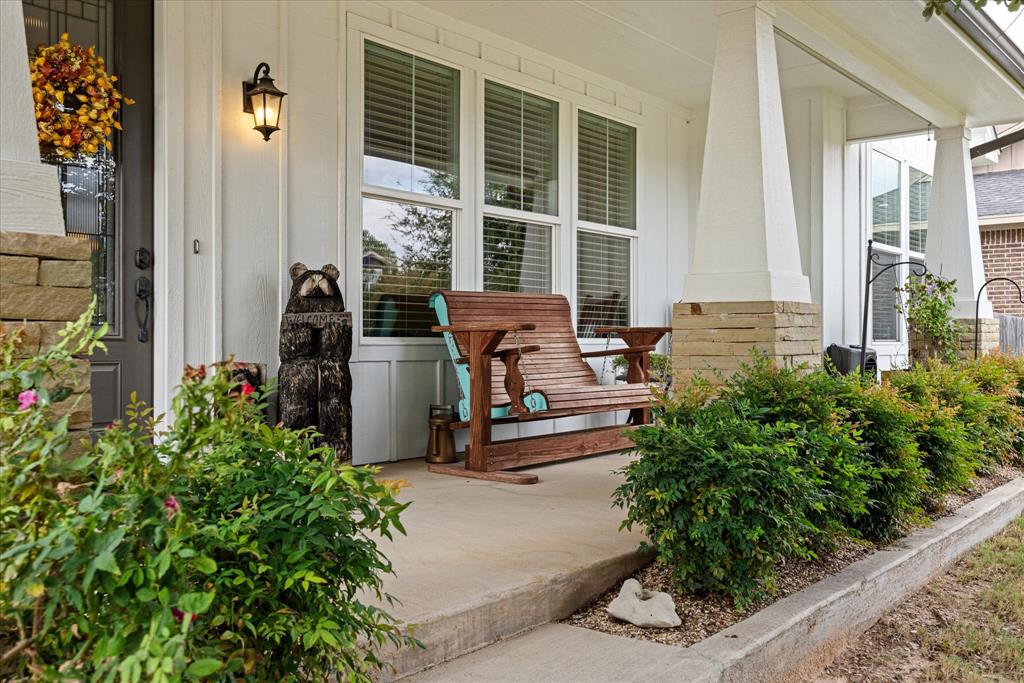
{"x":470,"y":209}
{"x":578,"y":225}
{"x":903,"y":252}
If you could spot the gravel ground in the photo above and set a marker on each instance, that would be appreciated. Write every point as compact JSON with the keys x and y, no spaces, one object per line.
{"x":706,"y":614}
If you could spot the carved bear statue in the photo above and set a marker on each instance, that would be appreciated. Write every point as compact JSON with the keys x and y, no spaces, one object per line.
{"x":314,"y":382}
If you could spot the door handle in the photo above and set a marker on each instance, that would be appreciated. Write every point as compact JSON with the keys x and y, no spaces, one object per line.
{"x":144,"y":293}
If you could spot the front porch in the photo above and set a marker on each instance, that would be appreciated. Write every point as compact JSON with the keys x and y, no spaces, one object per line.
{"x":484,"y":561}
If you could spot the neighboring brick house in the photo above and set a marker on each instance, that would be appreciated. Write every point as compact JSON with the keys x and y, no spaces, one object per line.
{"x":1000,"y":199}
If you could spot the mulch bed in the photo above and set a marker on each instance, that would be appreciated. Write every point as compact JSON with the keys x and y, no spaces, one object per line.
{"x":704,"y":615}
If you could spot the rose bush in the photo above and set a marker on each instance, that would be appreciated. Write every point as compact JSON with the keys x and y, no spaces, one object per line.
{"x":209,"y":546}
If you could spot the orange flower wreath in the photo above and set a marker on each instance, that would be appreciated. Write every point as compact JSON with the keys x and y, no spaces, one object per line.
{"x":76,"y":101}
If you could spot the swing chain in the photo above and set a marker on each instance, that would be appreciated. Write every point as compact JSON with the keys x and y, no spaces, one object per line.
{"x":604,"y":363}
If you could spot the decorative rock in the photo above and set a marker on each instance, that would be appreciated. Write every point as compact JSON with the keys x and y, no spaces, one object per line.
{"x":649,"y":609}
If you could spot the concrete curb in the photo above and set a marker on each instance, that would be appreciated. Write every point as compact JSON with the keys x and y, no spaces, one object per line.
{"x":509,"y":613}
{"x":808,"y":628}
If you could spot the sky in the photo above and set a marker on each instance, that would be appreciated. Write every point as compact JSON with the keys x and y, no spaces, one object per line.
{"x":1004,"y":18}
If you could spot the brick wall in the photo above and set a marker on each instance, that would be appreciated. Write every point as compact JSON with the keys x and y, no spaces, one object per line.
{"x":45,"y":281}
{"x":1002,"y":250}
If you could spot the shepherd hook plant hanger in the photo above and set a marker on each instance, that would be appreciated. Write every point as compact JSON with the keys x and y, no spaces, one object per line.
{"x":916,"y":269}
{"x":977,"y":305}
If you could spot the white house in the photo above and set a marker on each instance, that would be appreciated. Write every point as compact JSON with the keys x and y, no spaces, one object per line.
{"x":635,"y":153}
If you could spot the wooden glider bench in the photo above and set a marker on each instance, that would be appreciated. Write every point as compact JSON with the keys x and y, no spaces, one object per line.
{"x":542,"y":375}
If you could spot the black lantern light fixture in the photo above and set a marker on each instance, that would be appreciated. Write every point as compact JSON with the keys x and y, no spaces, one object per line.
{"x":261,"y":99}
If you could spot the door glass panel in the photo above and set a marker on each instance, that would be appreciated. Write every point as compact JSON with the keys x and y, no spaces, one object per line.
{"x":920,"y":196}
{"x":885,"y":317}
{"x":88,"y":186}
{"x":885,"y":199}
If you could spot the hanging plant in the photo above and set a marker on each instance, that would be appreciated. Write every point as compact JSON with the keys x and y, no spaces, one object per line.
{"x":928,"y":304}
{"x":76,"y":102}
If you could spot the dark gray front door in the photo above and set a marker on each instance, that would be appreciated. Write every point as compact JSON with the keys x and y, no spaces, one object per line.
{"x":110,"y":200}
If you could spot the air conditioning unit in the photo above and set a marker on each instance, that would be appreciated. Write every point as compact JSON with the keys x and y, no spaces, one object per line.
{"x":846,"y":359}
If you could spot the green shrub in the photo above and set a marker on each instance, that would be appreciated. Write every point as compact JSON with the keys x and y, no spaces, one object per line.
{"x":722,"y":496}
{"x":216,"y":548}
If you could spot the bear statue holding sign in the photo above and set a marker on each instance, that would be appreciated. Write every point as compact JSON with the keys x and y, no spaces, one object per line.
{"x":314,"y":382}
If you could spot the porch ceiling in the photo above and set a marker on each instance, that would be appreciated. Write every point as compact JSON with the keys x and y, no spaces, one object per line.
{"x":666,"y":48}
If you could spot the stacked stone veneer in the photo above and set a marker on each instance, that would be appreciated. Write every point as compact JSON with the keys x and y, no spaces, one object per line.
{"x":922,"y":348}
{"x":720,"y":336}
{"x":45,"y":281}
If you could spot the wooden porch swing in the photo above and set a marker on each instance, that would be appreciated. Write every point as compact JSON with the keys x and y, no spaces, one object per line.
{"x":543,"y":375}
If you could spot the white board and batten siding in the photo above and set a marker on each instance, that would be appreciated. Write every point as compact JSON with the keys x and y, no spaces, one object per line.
{"x":254,"y":207}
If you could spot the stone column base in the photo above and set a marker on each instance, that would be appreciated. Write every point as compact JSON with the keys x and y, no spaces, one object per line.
{"x":720,"y":336}
{"x":922,"y":348}
{"x":46,"y":281}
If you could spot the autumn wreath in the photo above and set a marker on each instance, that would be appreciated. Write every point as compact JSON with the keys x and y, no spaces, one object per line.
{"x":75,"y":98}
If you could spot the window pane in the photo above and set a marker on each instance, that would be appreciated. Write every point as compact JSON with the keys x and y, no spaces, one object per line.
{"x":885,"y":199}
{"x":517,"y":256}
{"x":885,"y":319}
{"x":920,"y":196}
{"x":520,"y":150}
{"x":602,"y":281}
{"x":407,"y":254}
{"x":607,"y":171}
{"x":411,"y":123}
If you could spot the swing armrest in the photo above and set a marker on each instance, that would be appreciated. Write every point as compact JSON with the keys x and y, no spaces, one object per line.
{"x":628,"y":351}
{"x":619,"y":329}
{"x":506,"y":353}
{"x":484,"y":327}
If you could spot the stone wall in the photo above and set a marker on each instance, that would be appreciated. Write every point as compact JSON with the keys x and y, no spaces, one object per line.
{"x":922,"y":348}
{"x":1002,"y":250}
{"x":720,"y":336}
{"x":45,"y":281}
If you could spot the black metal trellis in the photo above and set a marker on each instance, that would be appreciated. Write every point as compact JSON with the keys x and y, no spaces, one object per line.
{"x":916,"y":269}
{"x":977,"y":305}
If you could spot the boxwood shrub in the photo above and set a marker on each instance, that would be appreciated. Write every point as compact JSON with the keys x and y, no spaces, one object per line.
{"x":778,"y":463}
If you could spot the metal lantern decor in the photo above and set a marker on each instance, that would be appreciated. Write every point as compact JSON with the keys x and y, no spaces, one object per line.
{"x":261,"y":99}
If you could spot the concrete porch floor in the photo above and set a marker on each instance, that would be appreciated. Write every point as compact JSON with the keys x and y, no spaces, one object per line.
{"x":483,"y":561}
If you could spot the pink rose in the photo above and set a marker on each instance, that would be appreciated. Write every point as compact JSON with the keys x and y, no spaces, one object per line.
{"x":27,"y":399}
{"x":171,"y":505}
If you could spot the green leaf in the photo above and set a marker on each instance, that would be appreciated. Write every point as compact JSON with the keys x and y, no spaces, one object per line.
{"x":205,"y":564}
{"x":195,"y":603}
{"x":145,"y":595}
{"x":105,"y":562}
{"x":203,"y":667}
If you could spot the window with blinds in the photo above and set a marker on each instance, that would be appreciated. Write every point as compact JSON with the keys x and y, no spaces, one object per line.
{"x":517,"y":256}
{"x":920,"y":196}
{"x":407,"y":254}
{"x":410,"y":123}
{"x":885,"y":317}
{"x":885,"y":199}
{"x":602,"y":281}
{"x":607,"y":171}
{"x":520,"y":150}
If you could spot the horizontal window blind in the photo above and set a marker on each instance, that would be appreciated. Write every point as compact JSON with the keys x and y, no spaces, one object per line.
{"x":885,"y":199}
{"x":407,"y":254}
{"x":517,"y":256}
{"x":602,"y":281}
{"x":607,"y":171}
{"x":885,"y":318}
{"x":410,"y":123}
{"x":520,"y":150}
{"x":920,"y":196}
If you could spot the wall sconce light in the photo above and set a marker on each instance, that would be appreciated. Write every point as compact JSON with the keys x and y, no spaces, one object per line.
{"x":261,"y":99}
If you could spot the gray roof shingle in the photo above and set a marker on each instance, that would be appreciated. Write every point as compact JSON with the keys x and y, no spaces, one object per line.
{"x":999,"y":193}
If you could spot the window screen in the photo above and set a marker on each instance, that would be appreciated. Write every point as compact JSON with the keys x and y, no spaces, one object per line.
{"x":602,"y":281}
{"x":920,"y":196}
{"x":517,"y":256}
{"x":607,"y":171}
{"x":410,"y":123}
{"x":407,"y":254}
{"x":885,"y":199}
{"x":520,"y":150}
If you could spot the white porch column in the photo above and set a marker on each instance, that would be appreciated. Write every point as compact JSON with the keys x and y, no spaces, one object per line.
{"x":745,"y":287}
{"x":29,"y":192}
{"x":746,"y":246}
{"x":954,"y":243}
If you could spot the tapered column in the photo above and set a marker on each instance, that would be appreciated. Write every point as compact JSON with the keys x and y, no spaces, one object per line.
{"x":954,"y":242}
{"x":746,"y":246}
{"x":745,"y":288}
